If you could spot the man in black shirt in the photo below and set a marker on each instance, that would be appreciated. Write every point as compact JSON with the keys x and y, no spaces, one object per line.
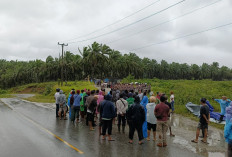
{"x":204,"y":121}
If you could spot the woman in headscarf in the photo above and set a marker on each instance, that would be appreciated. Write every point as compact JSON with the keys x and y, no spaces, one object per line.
{"x":144,"y":103}
{"x":228,"y":129}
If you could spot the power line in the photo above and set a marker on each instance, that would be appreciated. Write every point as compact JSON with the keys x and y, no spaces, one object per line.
{"x":97,"y":30}
{"x":184,"y":36}
{"x":130,"y":23}
{"x":190,"y":12}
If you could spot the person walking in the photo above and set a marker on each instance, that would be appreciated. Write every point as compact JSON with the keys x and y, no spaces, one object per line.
{"x":151,"y":119}
{"x":135,"y":118}
{"x":62,"y":104}
{"x":122,"y":106}
{"x":107,"y":113}
{"x":161,"y":113}
{"x":76,"y":107}
{"x":56,"y":98}
{"x":204,"y":121}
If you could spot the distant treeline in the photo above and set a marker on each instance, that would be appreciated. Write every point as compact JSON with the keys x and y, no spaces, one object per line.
{"x":100,"y":61}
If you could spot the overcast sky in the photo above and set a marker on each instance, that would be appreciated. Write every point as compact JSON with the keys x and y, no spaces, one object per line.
{"x":30,"y":29}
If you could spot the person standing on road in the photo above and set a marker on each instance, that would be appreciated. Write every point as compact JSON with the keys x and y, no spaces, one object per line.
{"x":62,"y":104}
{"x":169,"y":116}
{"x":151,"y":119}
{"x":56,"y":98}
{"x":144,"y":103}
{"x":172,"y":100}
{"x":228,"y":129}
{"x":107,"y":113}
{"x":76,"y":107}
{"x":135,"y":118}
{"x":122,"y":106}
{"x":204,"y":121}
{"x":224,"y":102}
{"x":89,"y":99}
{"x":140,"y":95}
{"x":82,"y":106}
{"x":90,"y":112}
{"x":130,"y":100}
{"x":161,"y":112}
{"x":70,"y":101}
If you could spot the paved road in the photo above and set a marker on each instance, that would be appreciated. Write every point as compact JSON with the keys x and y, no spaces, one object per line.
{"x":30,"y":130}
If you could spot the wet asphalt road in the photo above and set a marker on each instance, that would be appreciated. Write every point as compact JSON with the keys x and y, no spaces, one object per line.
{"x":24,"y":132}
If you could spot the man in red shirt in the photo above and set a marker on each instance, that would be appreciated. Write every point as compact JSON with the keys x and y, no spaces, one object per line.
{"x":161,"y":112}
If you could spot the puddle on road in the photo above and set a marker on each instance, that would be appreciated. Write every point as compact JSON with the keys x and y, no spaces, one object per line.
{"x":185,"y":130}
{"x":178,"y":121}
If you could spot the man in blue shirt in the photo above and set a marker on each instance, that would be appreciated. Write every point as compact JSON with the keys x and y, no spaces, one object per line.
{"x":76,"y":107}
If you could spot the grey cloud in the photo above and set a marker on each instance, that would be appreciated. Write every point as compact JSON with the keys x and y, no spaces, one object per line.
{"x":30,"y":29}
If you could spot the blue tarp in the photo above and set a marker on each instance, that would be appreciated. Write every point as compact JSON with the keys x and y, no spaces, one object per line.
{"x":195,"y":109}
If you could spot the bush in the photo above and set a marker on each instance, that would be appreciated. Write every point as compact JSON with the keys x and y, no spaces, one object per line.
{"x":3,"y":91}
{"x":48,"y":89}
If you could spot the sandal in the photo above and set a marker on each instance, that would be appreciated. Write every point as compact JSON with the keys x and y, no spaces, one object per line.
{"x":111,"y":140}
{"x":204,"y":142}
{"x":194,"y":141}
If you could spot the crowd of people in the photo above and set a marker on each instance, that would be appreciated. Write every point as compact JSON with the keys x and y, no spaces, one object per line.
{"x":142,"y":110}
{"x":137,"y":109}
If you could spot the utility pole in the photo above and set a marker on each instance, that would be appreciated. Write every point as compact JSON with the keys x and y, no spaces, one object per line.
{"x":62,"y":65}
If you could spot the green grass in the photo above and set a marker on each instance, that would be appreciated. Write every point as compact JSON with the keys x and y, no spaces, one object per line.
{"x":44,"y":92}
{"x":6,"y":96}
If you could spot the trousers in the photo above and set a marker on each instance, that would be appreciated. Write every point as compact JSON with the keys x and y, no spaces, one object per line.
{"x":106,"y":126}
{"x":162,"y":128}
{"x":132,"y":128}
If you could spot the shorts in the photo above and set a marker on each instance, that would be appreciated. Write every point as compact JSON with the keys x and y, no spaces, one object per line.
{"x":151,"y":126}
{"x":90,"y":116}
{"x":202,"y":126}
{"x":63,"y":108}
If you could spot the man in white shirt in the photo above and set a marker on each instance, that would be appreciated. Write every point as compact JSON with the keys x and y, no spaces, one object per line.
{"x":172,"y":101}
{"x":57,"y":104}
{"x":122,"y":106}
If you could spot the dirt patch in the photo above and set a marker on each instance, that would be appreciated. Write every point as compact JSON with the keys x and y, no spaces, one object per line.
{"x":32,"y":89}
